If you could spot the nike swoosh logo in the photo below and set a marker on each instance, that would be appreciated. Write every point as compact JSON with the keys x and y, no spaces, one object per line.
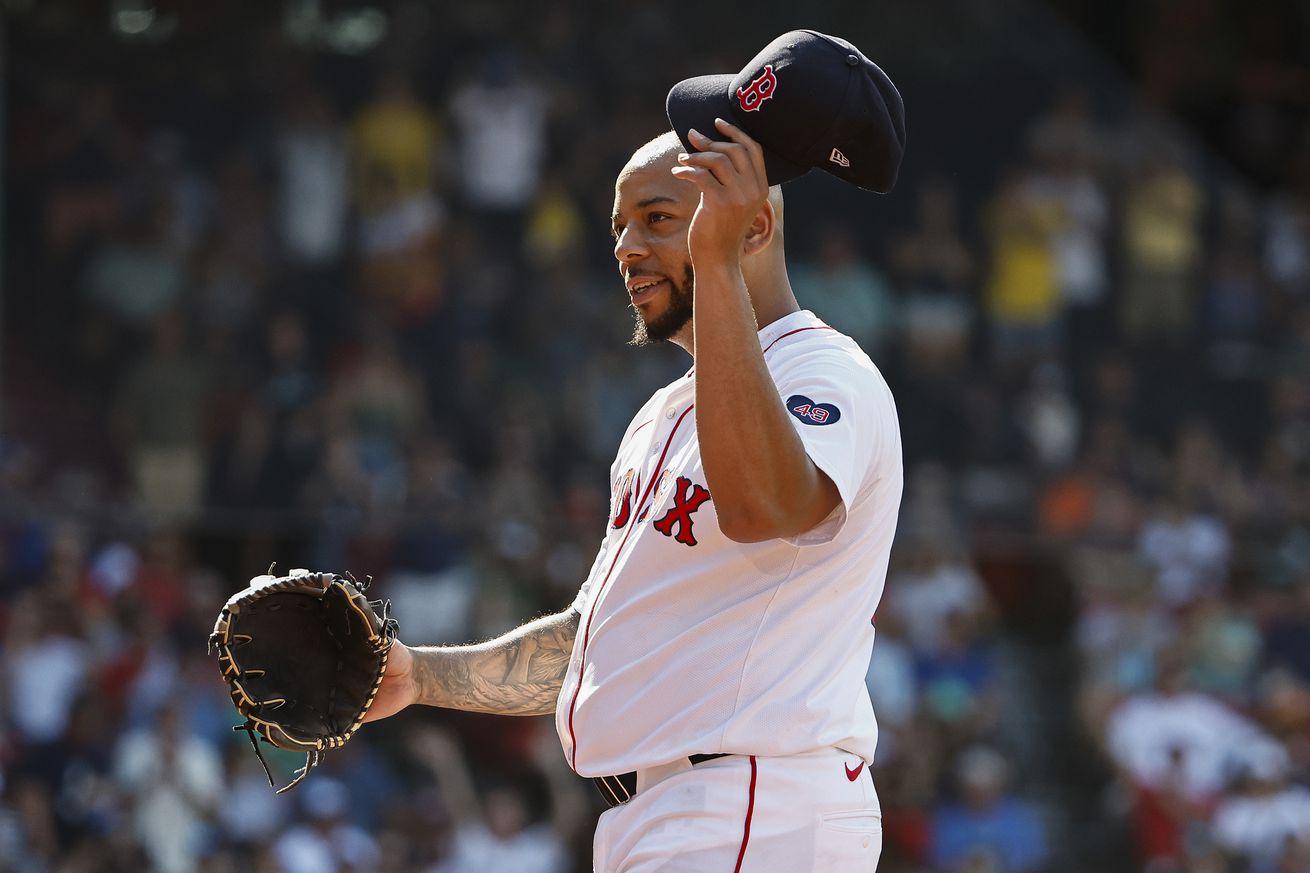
{"x":852,"y":775}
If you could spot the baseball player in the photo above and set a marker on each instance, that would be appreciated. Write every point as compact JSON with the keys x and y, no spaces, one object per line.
{"x":710,"y":673}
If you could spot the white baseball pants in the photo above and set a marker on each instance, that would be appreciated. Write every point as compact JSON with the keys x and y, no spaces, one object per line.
{"x":812,"y":813}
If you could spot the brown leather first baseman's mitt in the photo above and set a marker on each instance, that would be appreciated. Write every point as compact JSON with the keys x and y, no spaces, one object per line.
{"x":303,"y":657}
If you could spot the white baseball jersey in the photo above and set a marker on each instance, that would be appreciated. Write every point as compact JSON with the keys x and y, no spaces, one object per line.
{"x":690,"y":643}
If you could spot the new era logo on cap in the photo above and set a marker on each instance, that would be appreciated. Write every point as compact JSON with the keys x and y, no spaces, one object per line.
{"x":839,"y":159}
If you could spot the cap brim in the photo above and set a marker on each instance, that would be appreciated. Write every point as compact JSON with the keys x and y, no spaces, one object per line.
{"x":695,"y":103}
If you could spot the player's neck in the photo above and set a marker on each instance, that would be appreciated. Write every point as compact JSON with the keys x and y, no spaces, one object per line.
{"x":770,"y":300}
{"x":779,"y":302}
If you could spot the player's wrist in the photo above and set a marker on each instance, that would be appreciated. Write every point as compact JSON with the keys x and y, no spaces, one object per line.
{"x":722,"y":273}
{"x":406,"y":686}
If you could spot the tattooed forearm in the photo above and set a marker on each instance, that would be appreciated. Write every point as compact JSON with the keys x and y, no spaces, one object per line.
{"x":517,"y":674}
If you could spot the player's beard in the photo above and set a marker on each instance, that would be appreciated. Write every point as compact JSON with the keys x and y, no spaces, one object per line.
{"x":666,"y":325}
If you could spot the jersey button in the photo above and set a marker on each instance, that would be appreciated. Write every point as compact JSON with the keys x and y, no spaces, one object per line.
{"x":670,"y":413}
{"x":655,"y":449}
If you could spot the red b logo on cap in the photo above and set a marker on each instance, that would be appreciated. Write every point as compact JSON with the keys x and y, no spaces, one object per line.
{"x":760,"y":90}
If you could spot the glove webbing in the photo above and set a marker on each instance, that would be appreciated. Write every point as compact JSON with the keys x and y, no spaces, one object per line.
{"x":312,"y":759}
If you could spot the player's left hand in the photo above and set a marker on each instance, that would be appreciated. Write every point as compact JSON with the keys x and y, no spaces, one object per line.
{"x":397,"y":690}
{"x":733,"y":187}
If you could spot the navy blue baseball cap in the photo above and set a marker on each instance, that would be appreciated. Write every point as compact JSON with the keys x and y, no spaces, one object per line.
{"x":810,"y":100}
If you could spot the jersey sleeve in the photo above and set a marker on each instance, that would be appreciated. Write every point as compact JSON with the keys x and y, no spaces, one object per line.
{"x":843,"y":412}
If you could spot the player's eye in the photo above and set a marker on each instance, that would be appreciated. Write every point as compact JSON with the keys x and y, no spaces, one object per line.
{"x":656,"y":217}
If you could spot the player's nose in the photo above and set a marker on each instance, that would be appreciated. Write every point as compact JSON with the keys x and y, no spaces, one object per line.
{"x":629,"y":246}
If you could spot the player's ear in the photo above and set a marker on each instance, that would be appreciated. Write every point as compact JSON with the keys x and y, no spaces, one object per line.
{"x":761,"y":231}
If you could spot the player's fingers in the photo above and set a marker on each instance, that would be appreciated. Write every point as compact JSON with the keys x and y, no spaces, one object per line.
{"x":737,"y":153}
{"x":742,"y":138}
{"x":698,"y":176}
{"x":718,"y":165}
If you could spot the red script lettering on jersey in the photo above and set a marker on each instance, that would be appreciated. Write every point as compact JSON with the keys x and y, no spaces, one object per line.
{"x":687,"y":498}
{"x":622,"y":514}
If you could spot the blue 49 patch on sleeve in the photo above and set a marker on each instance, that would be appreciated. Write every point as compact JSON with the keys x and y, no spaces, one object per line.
{"x":810,"y":412}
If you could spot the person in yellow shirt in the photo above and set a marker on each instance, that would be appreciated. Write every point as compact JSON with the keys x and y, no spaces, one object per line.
{"x":1022,"y":298}
{"x":395,"y":143}
{"x":1162,"y":252}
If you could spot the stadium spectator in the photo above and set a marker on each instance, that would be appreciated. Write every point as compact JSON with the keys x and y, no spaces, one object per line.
{"x":935,"y":269}
{"x":1070,"y":150}
{"x":1022,"y":292}
{"x":1188,"y":550}
{"x":326,"y":842}
{"x":174,"y":780}
{"x":1173,"y":734}
{"x":396,"y":149}
{"x":46,"y":662}
{"x":932,"y":586}
{"x":501,"y":116}
{"x":1265,"y":816}
{"x":853,"y":295}
{"x":495,"y":829}
{"x":1162,"y":248}
{"x":987,"y":828}
{"x":160,"y":419}
{"x":313,"y":164}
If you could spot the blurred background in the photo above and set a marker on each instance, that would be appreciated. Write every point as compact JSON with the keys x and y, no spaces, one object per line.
{"x":329,"y":282}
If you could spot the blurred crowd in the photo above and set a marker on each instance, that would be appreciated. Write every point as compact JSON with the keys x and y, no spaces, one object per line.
{"x":359,"y":312}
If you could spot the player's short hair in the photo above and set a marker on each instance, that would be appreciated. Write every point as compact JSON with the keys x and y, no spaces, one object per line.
{"x":662,"y":147}
{"x":665,"y":146}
